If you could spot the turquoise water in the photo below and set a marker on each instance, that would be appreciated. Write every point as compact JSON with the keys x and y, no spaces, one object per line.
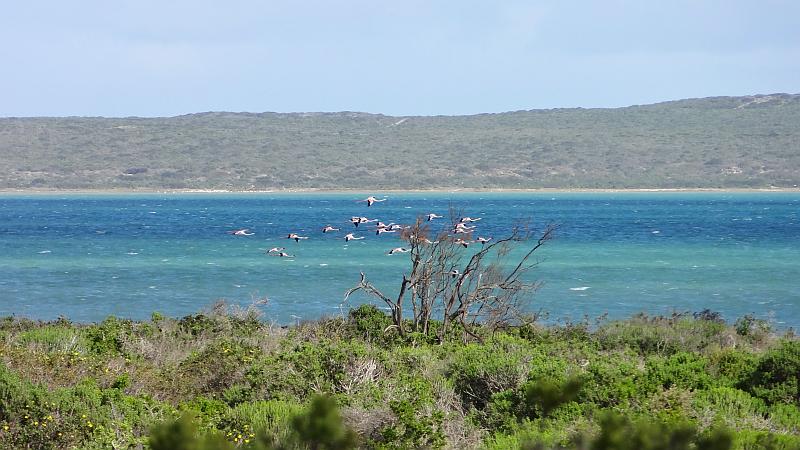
{"x":89,"y":256}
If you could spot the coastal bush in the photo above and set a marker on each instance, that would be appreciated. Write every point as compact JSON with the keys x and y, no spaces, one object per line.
{"x":684,"y":370}
{"x":776,"y":378}
{"x":272,"y":418}
{"x":369,"y":323}
{"x":219,"y":366}
{"x":412,"y":427}
{"x":182,"y":434}
{"x":504,"y":391}
{"x":756,"y":330}
{"x":542,"y":396}
{"x":728,"y":405}
{"x":480,"y":371}
{"x":53,"y":339}
{"x":84,"y":415}
{"x":107,"y":337}
{"x":732,"y":367}
{"x":610,"y":381}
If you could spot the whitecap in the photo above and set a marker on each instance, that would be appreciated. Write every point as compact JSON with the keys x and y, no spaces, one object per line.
{"x":581,"y":288}
{"x":655,"y":232}
{"x":132,"y":253}
{"x":44,"y":251}
{"x":323,"y":264}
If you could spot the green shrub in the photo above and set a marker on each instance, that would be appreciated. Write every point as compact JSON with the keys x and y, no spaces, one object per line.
{"x":53,"y":338}
{"x":272,"y":418}
{"x":480,"y":371}
{"x":217,"y":367}
{"x":728,"y":405}
{"x":786,"y":417}
{"x":106,"y":338}
{"x":610,"y":381}
{"x":776,"y":378}
{"x":413,"y":428}
{"x":542,"y":396}
{"x":732,"y":367}
{"x":321,"y":427}
{"x":182,"y":434}
{"x":371,"y":324}
{"x":684,"y":370}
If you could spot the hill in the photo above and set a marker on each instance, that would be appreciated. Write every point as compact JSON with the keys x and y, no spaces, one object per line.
{"x":720,"y":142}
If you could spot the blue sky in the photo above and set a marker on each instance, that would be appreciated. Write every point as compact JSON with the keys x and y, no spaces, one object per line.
{"x":411,"y":57}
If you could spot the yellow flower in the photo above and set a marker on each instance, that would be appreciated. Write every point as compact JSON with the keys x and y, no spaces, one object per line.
{"x":36,"y":422}
{"x":247,"y":441}
{"x":5,"y":427}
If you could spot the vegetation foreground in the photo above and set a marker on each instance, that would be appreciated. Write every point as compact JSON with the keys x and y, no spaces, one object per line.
{"x":225,"y":379}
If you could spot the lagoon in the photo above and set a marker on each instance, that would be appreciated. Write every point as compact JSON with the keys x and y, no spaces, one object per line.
{"x":87,"y":256}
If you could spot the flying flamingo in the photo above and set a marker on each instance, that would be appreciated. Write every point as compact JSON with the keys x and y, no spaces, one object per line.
{"x":329,"y":228}
{"x":432,"y":216}
{"x":242,"y":232}
{"x":483,"y":240}
{"x":398,"y":250}
{"x":469,"y":219}
{"x":370,"y":200}
{"x":462,"y":242}
{"x":282,"y":255}
{"x":379,"y":231}
{"x":296,"y":237}
{"x":349,"y":237}
{"x":276,"y":249}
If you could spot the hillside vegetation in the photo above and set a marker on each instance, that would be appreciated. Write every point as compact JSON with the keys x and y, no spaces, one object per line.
{"x":722,"y":142}
{"x":679,"y":382}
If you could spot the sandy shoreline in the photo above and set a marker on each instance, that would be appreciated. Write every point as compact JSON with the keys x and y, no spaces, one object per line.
{"x":384,"y":191}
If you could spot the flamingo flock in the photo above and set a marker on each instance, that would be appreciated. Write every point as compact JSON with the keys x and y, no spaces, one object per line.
{"x":460,"y":231}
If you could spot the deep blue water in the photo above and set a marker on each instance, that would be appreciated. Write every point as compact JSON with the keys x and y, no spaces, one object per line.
{"x":90,"y":256}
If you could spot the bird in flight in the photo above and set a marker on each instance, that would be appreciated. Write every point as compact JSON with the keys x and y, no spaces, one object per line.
{"x":276,"y":249}
{"x":282,"y":255}
{"x":398,"y":250}
{"x":469,"y":219}
{"x":462,"y":242}
{"x":296,"y":237}
{"x":371,"y":200}
{"x":483,"y":240}
{"x":432,"y":216}
{"x":349,"y":237}
{"x":241,"y":232}
{"x":329,"y":228}
{"x":359,"y":220}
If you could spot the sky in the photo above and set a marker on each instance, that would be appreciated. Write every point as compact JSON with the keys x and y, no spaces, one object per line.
{"x":412,"y":57}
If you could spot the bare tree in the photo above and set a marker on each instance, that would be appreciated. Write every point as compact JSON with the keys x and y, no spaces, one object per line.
{"x":456,"y":285}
